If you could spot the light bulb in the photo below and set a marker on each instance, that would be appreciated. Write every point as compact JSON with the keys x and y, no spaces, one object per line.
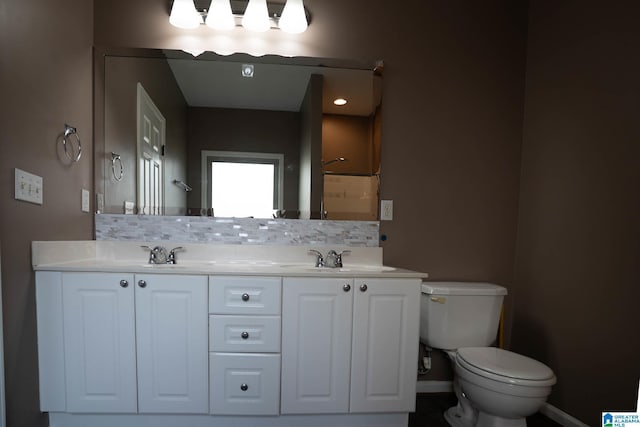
{"x":293,"y":19}
{"x":184,"y":15}
{"x":256,"y":17}
{"x":220,"y":16}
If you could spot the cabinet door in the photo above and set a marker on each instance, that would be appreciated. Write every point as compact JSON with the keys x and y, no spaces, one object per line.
{"x":99,"y":342}
{"x":171,"y":326}
{"x":386,"y":321}
{"x":316,"y":345}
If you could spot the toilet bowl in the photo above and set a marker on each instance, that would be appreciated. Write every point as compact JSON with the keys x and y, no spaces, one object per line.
{"x":494,"y":387}
{"x":503,"y":387}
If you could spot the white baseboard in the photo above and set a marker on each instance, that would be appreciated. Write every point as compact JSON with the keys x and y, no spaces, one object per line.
{"x":434,"y":387}
{"x":560,"y":416}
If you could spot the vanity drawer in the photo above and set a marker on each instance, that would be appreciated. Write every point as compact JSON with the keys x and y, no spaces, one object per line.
{"x":244,"y":295}
{"x":244,"y":384}
{"x":253,"y":334}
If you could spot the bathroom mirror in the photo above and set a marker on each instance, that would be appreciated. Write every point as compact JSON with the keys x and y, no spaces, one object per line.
{"x":167,"y":122}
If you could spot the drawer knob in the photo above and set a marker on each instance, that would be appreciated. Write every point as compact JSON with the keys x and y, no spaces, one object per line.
{"x":245,"y":297}
{"x":245,"y":335}
{"x":346,"y":287}
{"x":142,"y":283}
{"x":124,"y":283}
{"x":244,"y":387}
{"x":363,"y":287}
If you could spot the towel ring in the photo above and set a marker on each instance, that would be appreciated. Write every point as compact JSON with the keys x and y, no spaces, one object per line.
{"x":116,"y":158}
{"x":66,"y":139}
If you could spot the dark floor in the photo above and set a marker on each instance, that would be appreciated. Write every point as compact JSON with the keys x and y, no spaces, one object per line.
{"x":430,"y":409}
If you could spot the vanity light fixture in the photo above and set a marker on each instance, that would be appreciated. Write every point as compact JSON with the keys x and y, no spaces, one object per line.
{"x":254,"y":15}
{"x":340,"y":102}
{"x":293,"y":19}
{"x":220,"y":16}
{"x":185,"y":15}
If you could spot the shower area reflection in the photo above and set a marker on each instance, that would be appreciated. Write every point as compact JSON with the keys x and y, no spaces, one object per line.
{"x":351,"y":166}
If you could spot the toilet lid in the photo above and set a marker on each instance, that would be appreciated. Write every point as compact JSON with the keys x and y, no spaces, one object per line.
{"x":504,"y":365}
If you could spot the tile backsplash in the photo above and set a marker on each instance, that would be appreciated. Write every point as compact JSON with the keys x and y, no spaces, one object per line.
{"x":236,"y":231}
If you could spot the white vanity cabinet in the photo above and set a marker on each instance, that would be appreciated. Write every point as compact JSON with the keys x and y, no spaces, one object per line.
{"x":349,"y":345}
{"x":130,"y":343}
{"x":244,"y":341}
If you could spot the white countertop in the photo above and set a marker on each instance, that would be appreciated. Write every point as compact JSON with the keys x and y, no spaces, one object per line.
{"x":263,"y":260}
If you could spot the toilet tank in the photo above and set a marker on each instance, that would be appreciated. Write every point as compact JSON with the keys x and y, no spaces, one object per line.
{"x":460,"y":314}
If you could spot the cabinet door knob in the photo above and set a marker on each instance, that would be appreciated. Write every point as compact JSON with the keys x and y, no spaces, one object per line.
{"x":346,"y":287}
{"x":245,"y":297}
{"x":244,"y":335}
{"x":142,"y":283}
{"x":244,"y":387}
{"x":124,"y":283}
{"x":363,"y":287}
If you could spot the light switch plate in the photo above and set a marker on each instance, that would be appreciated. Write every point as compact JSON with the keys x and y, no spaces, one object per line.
{"x":386,"y":210}
{"x":86,"y":195}
{"x":28,"y":187}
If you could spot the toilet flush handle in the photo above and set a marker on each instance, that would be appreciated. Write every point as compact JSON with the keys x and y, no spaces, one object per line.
{"x":439,"y":300}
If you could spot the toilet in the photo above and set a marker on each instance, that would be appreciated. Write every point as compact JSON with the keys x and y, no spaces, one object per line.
{"x":494,"y":387}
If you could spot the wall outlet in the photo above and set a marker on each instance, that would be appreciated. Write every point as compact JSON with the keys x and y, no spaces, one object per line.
{"x":128,"y":208}
{"x":386,"y":210}
{"x":86,"y":206}
{"x":28,"y":187}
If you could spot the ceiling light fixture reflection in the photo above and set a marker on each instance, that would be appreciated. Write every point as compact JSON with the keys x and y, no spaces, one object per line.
{"x":256,"y":17}
{"x":220,"y":16}
{"x":293,"y":19}
{"x":184,"y":15}
{"x":340,"y":102}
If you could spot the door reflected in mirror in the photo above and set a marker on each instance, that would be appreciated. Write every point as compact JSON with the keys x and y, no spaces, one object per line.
{"x":327,"y":156}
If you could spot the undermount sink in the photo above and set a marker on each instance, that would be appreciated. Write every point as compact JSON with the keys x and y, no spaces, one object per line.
{"x":351,"y":268}
{"x":164,"y":266}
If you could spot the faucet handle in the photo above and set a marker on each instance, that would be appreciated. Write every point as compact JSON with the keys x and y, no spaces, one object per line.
{"x":319,"y":257}
{"x":152,"y":254}
{"x":339,"y":257}
{"x":171,"y":258}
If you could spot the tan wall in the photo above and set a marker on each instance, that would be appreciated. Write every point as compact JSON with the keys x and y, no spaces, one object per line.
{"x":578,"y":258}
{"x":350,"y":137}
{"x":45,"y":82}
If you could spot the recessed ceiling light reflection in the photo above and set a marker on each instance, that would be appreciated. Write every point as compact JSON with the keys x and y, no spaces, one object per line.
{"x":340,"y":102}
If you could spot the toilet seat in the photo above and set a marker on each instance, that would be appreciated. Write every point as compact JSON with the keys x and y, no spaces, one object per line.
{"x":505,"y":366}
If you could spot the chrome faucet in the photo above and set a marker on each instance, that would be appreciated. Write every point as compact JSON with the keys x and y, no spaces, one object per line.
{"x":332,"y":260}
{"x":159,"y":255}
